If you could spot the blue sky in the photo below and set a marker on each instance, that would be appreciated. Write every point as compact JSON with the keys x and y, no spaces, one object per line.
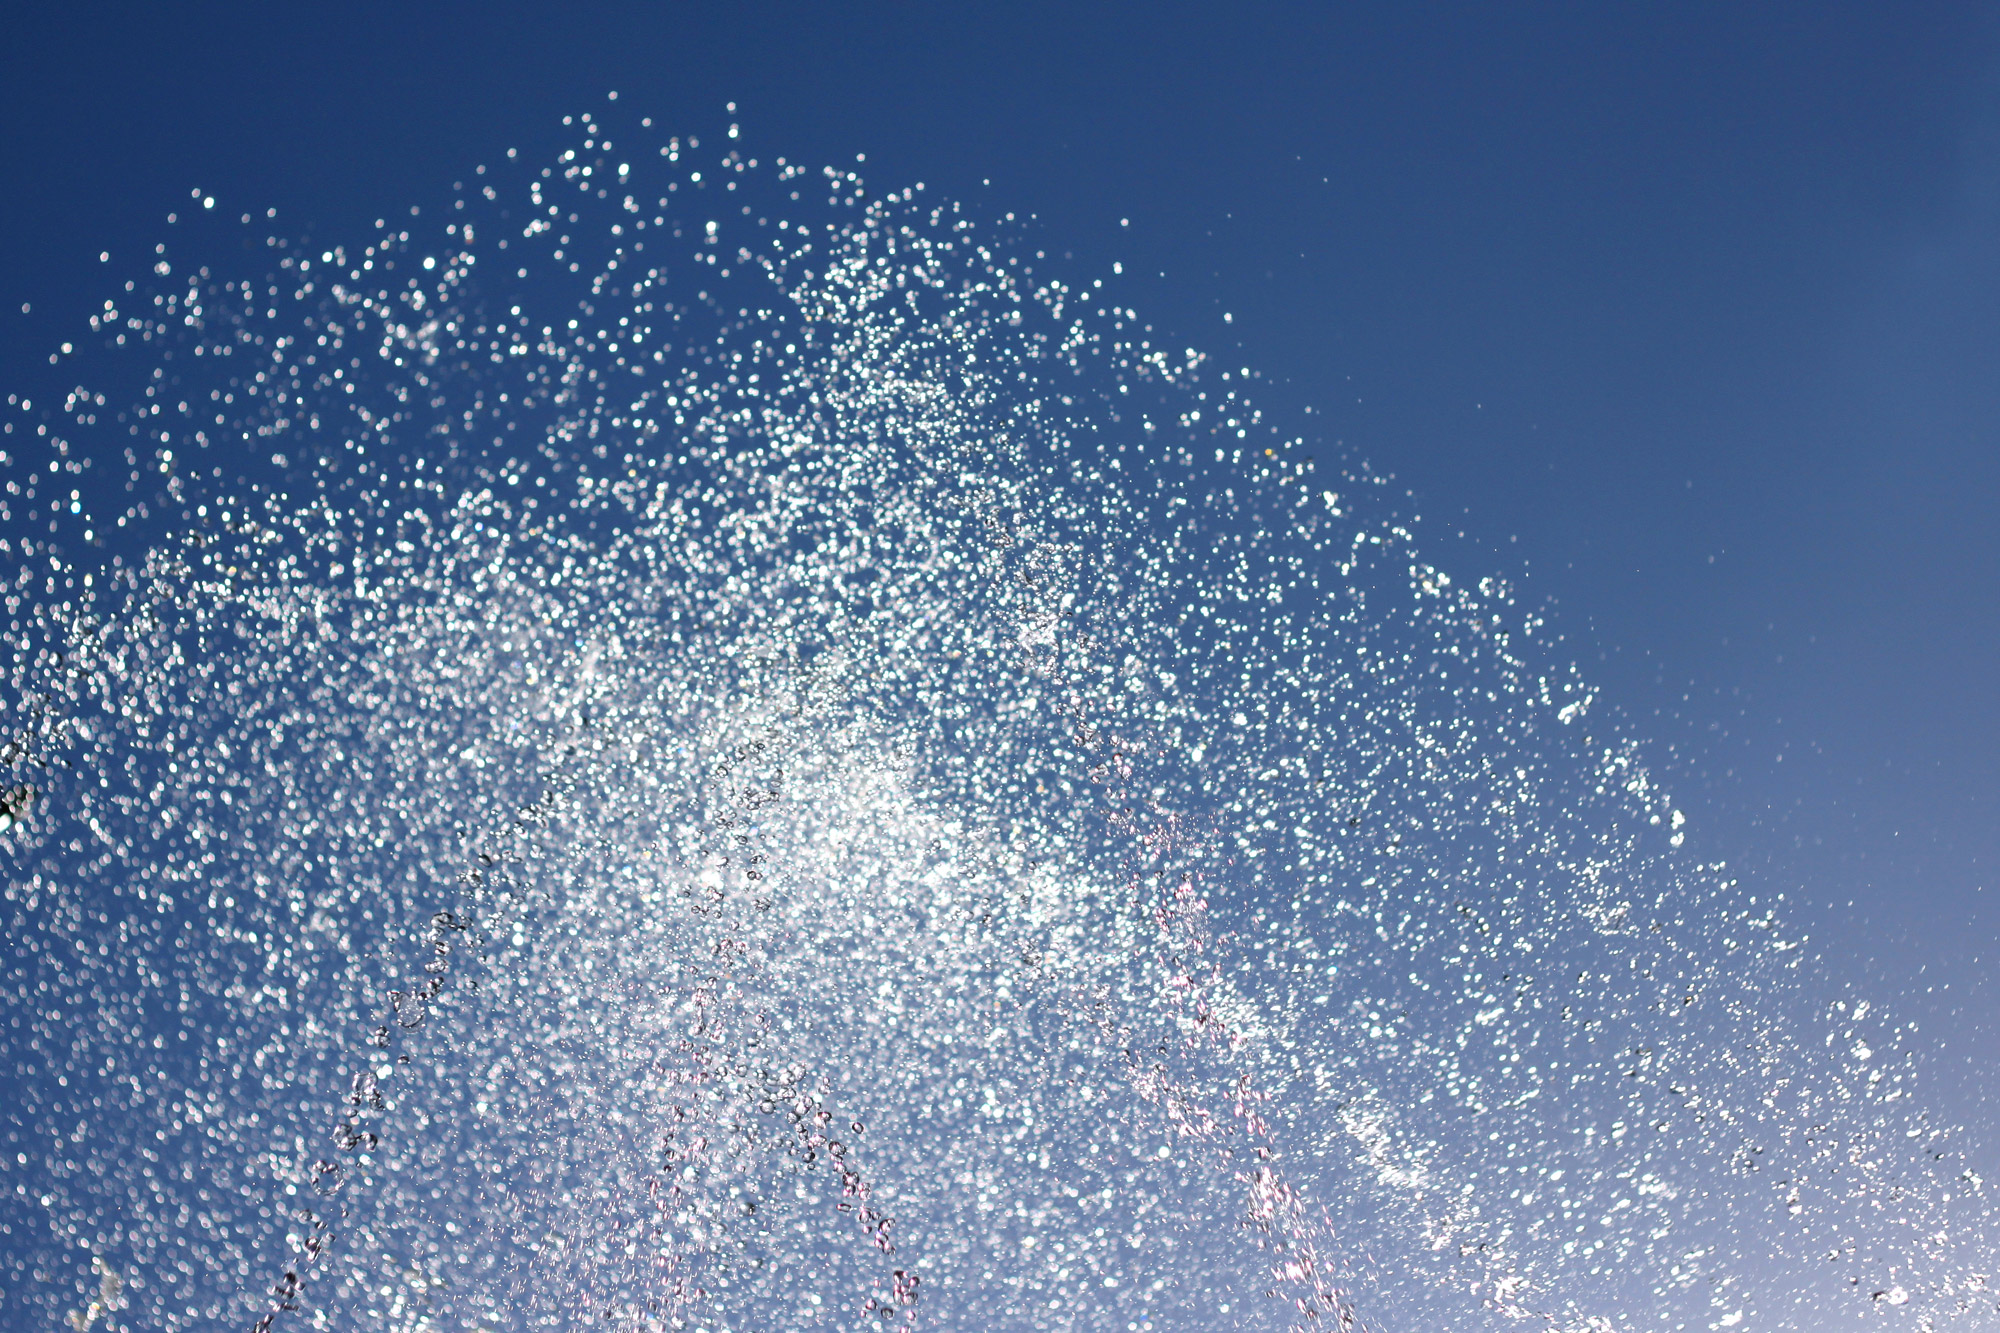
{"x":1688,"y":316}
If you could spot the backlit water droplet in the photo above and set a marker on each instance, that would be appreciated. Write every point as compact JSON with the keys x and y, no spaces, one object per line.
{"x":530,"y":727}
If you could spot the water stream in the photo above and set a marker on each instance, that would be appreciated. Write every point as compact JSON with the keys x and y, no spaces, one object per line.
{"x":688,"y":742}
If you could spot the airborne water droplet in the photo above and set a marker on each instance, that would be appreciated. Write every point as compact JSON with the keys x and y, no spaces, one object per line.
{"x":587,"y":699}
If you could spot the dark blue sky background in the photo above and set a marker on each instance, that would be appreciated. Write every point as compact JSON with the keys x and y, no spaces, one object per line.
{"x":1694,"y":312}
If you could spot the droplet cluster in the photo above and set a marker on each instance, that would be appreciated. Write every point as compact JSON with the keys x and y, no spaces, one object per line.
{"x":681,"y":742}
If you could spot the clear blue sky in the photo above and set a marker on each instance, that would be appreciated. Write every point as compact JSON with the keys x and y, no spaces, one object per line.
{"x":1694,"y":311}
